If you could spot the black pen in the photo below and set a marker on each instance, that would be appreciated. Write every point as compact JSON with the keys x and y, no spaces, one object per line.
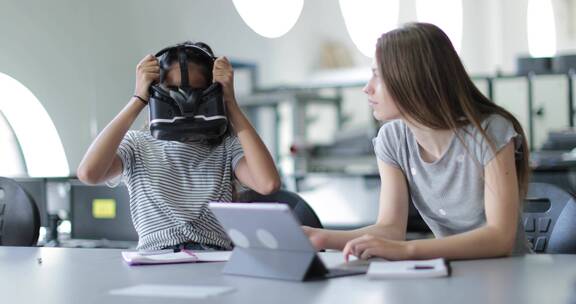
{"x":423,"y":267}
{"x":156,"y":252}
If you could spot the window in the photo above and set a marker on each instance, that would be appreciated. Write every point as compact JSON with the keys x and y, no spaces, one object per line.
{"x":367,"y":20}
{"x":541,"y":28}
{"x":35,"y":134}
{"x":269,"y":18}
{"x":11,"y":160}
{"x":446,"y":14}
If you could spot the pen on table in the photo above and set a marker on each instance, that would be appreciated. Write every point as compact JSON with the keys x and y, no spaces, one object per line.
{"x":161,"y":251}
{"x":422,"y":267}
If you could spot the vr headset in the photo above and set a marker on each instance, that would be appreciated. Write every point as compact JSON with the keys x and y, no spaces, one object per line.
{"x":183,"y":113}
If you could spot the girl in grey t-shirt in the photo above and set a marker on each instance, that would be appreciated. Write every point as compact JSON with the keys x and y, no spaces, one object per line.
{"x":459,"y":158}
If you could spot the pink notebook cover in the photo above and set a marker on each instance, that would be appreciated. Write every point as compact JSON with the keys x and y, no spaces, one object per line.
{"x":184,"y":256}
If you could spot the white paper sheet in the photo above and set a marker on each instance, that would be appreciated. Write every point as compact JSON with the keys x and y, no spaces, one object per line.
{"x":408,"y":269}
{"x":213,"y":256}
{"x":173,"y":291}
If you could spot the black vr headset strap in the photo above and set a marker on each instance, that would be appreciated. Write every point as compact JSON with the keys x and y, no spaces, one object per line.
{"x":190,"y":106}
{"x":161,"y":56}
{"x":184,"y":83}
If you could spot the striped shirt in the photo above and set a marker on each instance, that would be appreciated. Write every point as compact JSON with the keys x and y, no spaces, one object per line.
{"x":170,"y":184}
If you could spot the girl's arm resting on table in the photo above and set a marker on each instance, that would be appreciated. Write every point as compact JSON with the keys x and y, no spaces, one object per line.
{"x":392,"y":214}
{"x":495,"y":239}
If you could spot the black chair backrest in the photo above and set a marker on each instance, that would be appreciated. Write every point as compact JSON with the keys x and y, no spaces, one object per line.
{"x":549,"y":219}
{"x":19,"y":216}
{"x":299,"y":206}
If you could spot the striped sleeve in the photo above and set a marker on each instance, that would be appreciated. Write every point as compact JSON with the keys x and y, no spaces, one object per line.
{"x":126,"y":152}
{"x":233,"y":145}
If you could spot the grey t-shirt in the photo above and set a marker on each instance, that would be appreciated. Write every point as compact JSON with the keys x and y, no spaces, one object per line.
{"x":449,"y":192}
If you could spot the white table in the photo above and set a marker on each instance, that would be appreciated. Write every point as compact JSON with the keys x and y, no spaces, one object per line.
{"x":71,"y":275}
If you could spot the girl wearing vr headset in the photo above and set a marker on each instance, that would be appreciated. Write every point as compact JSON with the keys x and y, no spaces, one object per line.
{"x":458,"y":157}
{"x":171,"y":182}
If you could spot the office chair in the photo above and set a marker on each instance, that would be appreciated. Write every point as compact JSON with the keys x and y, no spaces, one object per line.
{"x":549,"y":219}
{"x":19,"y":216}
{"x":299,"y":206}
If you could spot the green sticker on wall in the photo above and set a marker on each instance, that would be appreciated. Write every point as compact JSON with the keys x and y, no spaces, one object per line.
{"x":104,"y":208}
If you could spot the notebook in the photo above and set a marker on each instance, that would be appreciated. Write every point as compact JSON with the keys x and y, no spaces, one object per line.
{"x":408,"y":269}
{"x":184,"y":256}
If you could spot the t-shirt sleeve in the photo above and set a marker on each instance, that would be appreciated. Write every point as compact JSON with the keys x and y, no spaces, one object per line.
{"x":127,"y":151}
{"x":386,"y":143}
{"x":235,"y":148}
{"x":501,"y":131}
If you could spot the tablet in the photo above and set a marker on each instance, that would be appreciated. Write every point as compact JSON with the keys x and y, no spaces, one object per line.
{"x":262,"y":225}
{"x":269,"y":238}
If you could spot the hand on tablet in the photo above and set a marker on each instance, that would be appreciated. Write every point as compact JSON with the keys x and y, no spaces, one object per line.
{"x":368,"y":246}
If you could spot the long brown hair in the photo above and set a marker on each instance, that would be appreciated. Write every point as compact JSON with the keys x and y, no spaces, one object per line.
{"x":429,"y":83}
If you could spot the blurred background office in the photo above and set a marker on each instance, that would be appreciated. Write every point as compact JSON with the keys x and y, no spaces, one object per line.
{"x":67,"y":68}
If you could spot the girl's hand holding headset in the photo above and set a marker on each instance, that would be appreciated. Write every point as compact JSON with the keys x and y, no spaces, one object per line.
{"x":224,"y":74}
{"x":147,"y":71}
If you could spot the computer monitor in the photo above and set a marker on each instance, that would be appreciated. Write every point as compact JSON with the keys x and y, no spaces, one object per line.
{"x":101,"y":212}
{"x":36,"y":188}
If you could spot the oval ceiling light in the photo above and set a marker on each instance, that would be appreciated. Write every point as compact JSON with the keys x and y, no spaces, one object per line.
{"x":41,"y":145}
{"x":541,"y":28}
{"x":446,"y":14}
{"x":269,"y":18}
{"x":359,"y":17}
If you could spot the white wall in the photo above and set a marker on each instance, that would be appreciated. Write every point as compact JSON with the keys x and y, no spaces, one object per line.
{"x":78,"y":57}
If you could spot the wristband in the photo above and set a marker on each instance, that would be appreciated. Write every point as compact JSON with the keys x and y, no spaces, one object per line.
{"x":144,"y":101}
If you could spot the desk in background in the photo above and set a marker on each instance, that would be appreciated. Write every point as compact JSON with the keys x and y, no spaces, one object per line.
{"x":554,"y":167}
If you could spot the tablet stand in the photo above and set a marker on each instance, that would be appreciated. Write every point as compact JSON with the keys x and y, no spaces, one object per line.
{"x":275,"y":264}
